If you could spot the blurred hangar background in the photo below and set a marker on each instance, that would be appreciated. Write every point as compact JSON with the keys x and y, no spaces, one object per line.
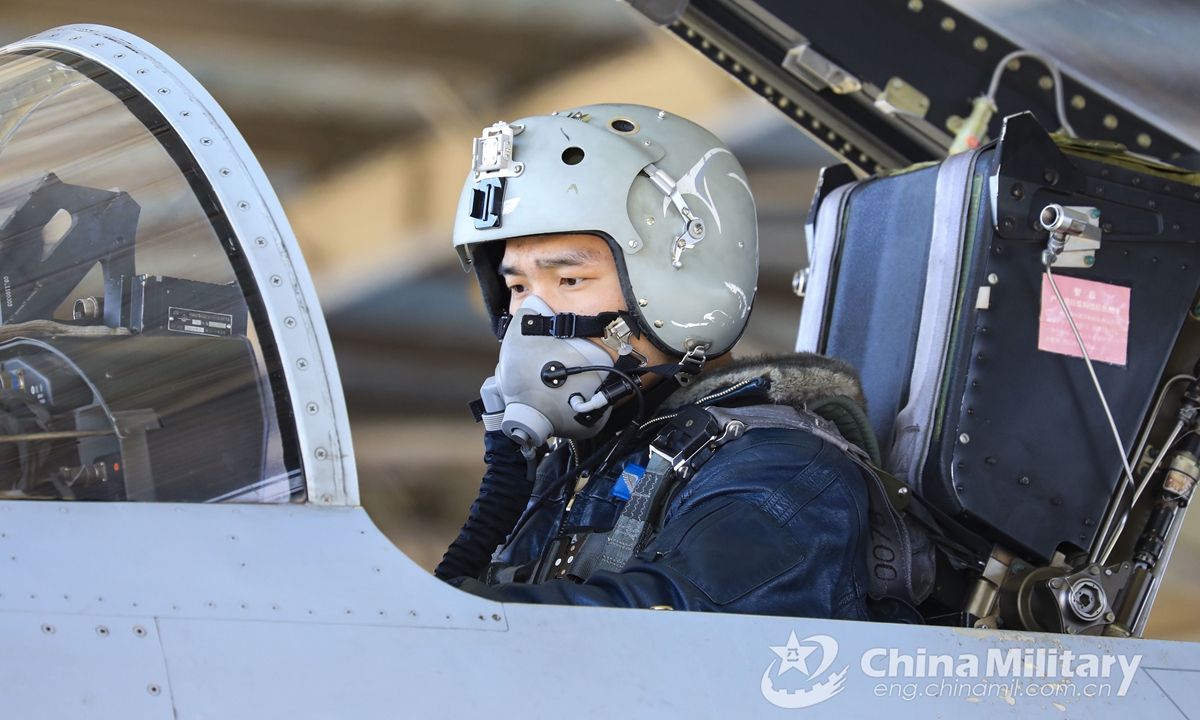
{"x":362,"y":114}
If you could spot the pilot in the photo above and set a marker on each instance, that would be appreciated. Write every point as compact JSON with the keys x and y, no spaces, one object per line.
{"x":631,"y":461}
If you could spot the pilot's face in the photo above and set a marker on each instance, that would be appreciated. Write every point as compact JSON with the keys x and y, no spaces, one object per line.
{"x":571,"y":273}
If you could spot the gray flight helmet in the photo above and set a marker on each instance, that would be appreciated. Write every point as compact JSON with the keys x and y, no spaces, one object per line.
{"x":670,"y":199}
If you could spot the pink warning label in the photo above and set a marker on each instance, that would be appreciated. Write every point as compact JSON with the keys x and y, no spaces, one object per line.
{"x":1100,"y":311}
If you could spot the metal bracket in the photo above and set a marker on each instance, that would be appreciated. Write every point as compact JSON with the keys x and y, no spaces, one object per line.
{"x":493,"y":152}
{"x":693,"y":227}
{"x":695,"y":355}
{"x":900,"y":98}
{"x":818,"y":71}
{"x":616,"y":336}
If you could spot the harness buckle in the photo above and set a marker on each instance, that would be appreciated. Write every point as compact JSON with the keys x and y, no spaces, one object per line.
{"x":685,"y":438}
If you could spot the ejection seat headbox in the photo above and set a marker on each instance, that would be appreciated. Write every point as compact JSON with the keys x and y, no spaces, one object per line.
{"x":976,"y":384}
{"x":670,"y":199}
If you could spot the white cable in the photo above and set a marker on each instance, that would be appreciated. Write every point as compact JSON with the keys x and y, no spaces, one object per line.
{"x":1059,"y":105}
{"x":1091,"y":371}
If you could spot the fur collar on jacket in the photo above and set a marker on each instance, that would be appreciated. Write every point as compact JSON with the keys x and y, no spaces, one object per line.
{"x":796,"y":378}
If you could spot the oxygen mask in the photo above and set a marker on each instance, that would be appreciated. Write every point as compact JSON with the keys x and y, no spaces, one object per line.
{"x":542,"y":384}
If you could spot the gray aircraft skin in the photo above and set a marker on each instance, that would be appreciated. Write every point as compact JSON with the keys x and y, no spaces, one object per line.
{"x":304,"y":609}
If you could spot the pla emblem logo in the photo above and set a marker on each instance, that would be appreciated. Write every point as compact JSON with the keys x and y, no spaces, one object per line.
{"x":796,"y":656}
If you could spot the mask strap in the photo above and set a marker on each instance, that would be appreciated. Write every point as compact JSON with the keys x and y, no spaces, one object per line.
{"x":567,"y":325}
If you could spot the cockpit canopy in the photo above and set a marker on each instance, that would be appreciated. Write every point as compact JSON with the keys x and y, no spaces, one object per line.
{"x":136,"y":359}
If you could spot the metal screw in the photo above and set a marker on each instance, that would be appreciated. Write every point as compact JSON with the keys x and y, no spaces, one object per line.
{"x":206,"y":141}
{"x":649,"y":220}
{"x":1056,"y":583}
{"x":311,"y":408}
{"x":916,"y":5}
{"x":658,"y":323}
{"x":101,"y":631}
{"x":139,"y":631}
{"x":1143,"y":140}
{"x":118,"y":56}
{"x":289,"y":322}
{"x":661,"y":114}
{"x":276,"y":280}
{"x":1078,"y":102}
{"x":261,"y":241}
{"x":48,"y":629}
{"x":993,"y":279}
{"x":633,"y":244}
{"x":647,"y":143}
{"x":1110,"y":122}
{"x":980,"y":43}
{"x":153,"y":689}
{"x":321,"y":454}
{"x":948,"y":24}
{"x":185,"y":113}
{"x":496,"y":616}
{"x":225,"y":171}
{"x":964,"y":438}
{"x":302,"y":364}
{"x":642,"y":302}
{"x":164,"y":91}
{"x":1110,"y":616}
{"x":1023,"y":481}
{"x":1089,"y":260}
{"x":143,"y":71}
{"x":243,"y":205}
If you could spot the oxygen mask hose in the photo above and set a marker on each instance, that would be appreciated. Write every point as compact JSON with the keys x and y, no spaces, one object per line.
{"x":503,"y":495}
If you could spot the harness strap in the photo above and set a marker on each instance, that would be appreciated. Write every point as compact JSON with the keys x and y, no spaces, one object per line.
{"x":631,"y":534}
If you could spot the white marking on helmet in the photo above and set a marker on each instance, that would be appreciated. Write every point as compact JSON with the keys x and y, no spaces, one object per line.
{"x":687,"y":184}
{"x":743,"y":306}
{"x":709,"y":318}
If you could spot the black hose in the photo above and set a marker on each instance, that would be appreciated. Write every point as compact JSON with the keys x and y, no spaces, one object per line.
{"x":503,"y":495}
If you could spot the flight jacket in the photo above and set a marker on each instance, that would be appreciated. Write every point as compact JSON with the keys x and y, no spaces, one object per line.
{"x":774,"y":523}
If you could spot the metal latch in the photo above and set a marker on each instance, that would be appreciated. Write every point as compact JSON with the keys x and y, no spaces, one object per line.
{"x":818,"y":71}
{"x":617,"y":335}
{"x":900,"y":98}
